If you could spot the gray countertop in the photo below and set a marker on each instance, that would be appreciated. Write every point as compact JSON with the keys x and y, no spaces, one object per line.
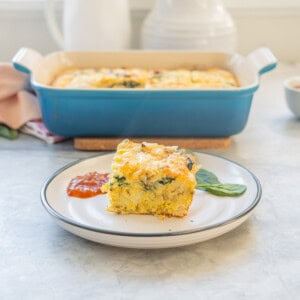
{"x":258,"y":260}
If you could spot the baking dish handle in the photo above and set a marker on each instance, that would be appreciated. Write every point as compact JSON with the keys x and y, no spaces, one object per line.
{"x":26,"y":59}
{"x":263,"y":60}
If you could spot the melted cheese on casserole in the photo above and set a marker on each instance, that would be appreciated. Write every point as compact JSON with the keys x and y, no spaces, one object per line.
{"x":149,"y":178}
{"x":141,"y":78}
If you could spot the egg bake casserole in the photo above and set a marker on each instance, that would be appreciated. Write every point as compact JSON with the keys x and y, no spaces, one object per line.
{"x":148,"y":178}
{"x":148,"y":79}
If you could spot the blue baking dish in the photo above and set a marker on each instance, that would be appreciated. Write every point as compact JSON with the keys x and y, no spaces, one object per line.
{"x":145,"y":112}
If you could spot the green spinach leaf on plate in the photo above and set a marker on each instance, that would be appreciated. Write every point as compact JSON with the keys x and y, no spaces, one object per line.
{"x":210,"y":183}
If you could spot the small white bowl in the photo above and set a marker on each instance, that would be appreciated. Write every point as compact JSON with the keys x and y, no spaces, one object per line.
{"x":292,"y":94}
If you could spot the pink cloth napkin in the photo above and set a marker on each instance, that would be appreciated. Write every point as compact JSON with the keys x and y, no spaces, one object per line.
{"x":17,"y":106}
{"x":19,"y":109}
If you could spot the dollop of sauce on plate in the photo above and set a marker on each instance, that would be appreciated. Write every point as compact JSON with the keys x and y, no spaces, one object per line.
{"x":87,"y":185}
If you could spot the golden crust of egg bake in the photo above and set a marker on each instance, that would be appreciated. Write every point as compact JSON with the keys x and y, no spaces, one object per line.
{"x":148,"y":178}
{"x":148,"y":79}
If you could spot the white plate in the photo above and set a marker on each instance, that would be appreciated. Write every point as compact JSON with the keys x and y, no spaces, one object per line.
{"x":209,"y":216}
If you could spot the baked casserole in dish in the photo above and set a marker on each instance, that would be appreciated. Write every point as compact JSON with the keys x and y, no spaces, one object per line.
{"x":115,"y":78}
{"x":176,"y":105}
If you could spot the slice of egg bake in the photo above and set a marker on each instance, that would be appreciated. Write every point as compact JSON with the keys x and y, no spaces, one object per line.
{"x":148,"y":178}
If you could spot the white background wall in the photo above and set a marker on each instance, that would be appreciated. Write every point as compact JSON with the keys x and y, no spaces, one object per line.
{"x":275,"y":24}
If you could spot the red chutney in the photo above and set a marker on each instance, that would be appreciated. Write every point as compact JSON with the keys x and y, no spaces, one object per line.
{"x":87,"y":185}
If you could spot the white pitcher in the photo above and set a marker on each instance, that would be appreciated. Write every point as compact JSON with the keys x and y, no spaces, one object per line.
{"x":91,"y":24}
{"x":189,"y":24}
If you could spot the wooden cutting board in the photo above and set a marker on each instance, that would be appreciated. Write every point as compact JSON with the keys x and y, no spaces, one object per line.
{"x":110,"y":143}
